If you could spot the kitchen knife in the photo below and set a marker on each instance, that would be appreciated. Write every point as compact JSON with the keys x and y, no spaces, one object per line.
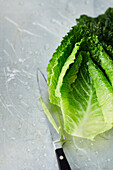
{"x":57,"y":139}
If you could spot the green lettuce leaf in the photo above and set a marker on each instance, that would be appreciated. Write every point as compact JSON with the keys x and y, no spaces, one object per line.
{"x":104,"y":91}
{"x":56,"y":63}
{"x":68,"y":62}
{"x":100,"y":56}
{"x":108,"y":49}
{"x":82,"y":114}
{"x":59,"y":58}
{"x":102,"y":26}
{"x":106,"y":63}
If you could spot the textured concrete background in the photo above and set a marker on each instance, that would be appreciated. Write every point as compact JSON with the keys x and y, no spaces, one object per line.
{"x":30,"y":31}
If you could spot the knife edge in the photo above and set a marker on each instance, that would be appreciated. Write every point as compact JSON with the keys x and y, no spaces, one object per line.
{"x":61,"y":158}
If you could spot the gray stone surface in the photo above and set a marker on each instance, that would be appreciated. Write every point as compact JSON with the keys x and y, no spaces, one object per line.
{"x":30,"y":31}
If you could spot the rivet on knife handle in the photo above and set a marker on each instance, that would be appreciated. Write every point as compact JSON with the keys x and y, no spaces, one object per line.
{"x":62,"y":161}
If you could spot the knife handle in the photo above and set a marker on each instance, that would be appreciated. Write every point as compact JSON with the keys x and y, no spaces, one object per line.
{"x":62,"y":161}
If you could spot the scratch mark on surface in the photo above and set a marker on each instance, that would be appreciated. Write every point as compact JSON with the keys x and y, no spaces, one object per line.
{"x":63,"y":16}
{"x":24,"y":104}
{"x":10,"y":106}
{"x":11,"y":45}
{"x":11,"y":21}
{"x":6,"y":52}
{"x":24,"y":83}
{"x":17,"y":32}
{"x":11,"y":74}
{"x":28,"y":32}
{"x":8,"y":97}
{"x":19,"y":27}
{"x":12,"y":77}
{"x":80,"y":149}
{"x":44,"y":27}
{"x":57,"y":22}
{"x":6,"y":106}
{"x":26,"y":72}
{"x":23,"y":60}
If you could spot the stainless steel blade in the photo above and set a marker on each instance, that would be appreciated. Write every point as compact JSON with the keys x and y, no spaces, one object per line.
{"x":43,"y":88}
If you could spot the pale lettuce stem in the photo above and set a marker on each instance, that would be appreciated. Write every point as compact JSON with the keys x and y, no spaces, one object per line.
{"x":48,"y":114}
{"x":61,"y":129}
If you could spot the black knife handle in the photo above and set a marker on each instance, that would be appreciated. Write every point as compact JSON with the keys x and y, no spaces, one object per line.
{"x":62,"y":161}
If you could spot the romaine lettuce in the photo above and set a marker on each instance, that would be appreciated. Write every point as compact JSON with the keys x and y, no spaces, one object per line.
{"x":80,"y":76}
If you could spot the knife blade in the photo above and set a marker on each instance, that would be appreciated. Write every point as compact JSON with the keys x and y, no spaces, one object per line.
{"x":57,"y":139}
